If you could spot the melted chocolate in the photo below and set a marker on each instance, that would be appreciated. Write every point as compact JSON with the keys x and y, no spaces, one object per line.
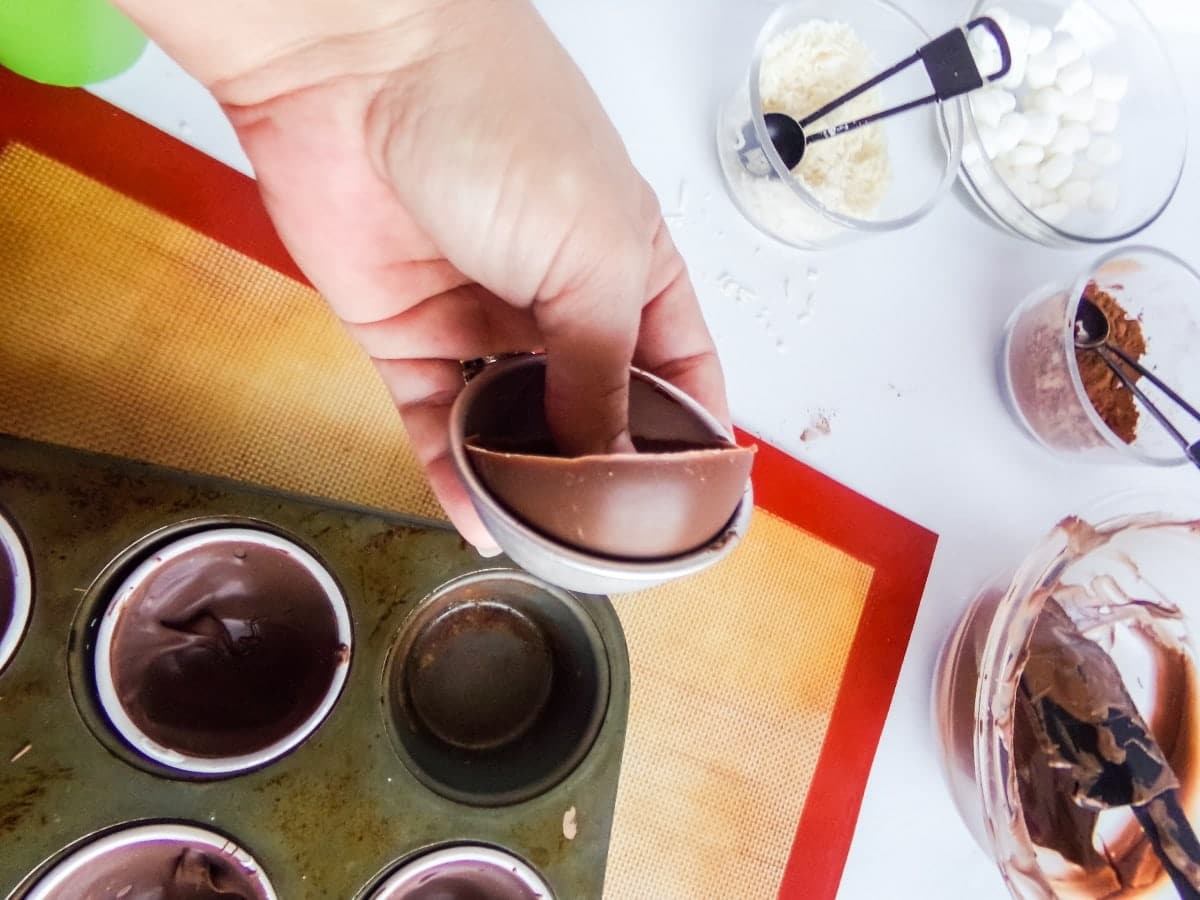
{"x":225,"y":650}
{"x":460,"y":880}
{"x":162,"y":870}
{"x":8,"y":590}
{"x":1067,"y":668}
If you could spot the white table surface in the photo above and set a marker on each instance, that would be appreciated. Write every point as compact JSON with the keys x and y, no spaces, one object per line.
{"x":899,"y":354}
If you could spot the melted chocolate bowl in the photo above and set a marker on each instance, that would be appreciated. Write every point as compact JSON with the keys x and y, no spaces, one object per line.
{"x":1120,"y":591}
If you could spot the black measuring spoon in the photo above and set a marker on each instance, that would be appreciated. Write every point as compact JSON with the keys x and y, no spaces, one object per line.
{"x":1091,"y":333}
{"x":949,"y":64}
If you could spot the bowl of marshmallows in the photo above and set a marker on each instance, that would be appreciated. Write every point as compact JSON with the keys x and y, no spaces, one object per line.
{"x":1084,"y":140}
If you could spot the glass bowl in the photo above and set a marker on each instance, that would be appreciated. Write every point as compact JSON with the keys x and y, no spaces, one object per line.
{"x":846,"y":187}
{"x":1117,"y":137}
{"x":1045,"y":384}
{"x":1126,"y":583}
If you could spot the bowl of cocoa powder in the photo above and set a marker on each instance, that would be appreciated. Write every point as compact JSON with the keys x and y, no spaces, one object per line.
{"x":1067,"y":398}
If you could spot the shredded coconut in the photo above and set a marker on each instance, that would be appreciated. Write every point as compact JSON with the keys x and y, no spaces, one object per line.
{"x":801,"y":70}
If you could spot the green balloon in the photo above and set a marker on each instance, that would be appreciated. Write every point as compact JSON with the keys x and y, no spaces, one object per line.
{"x":67,"y":42}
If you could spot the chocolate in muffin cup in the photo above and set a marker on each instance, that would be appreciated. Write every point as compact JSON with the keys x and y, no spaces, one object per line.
{"x":466,"y":872}
{"x":164,"y":861}
{"x":222,"y":651}
{"x":16,"y":591}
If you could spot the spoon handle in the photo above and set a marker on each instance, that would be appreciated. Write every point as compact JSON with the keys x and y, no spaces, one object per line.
{"x":949,"y":64}
{"x":1146,"y":402}
{"x":1155,"y":380}
{"x":1173,"y":841}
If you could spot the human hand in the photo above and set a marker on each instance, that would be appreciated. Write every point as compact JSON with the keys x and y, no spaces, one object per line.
{"x":450,"y":183}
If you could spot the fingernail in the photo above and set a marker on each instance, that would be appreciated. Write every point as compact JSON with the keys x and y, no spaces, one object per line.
{"x":488,"y":552}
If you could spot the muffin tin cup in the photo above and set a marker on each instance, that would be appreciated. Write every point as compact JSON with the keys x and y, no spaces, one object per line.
{"x":469,"y":870}
{"x":161,"y":563}
{"x":127,"y":595}
{"x":497,"y":688}
{"x":14,"y":568}
{"x":330,"y":818}
{"x":101,"y":859}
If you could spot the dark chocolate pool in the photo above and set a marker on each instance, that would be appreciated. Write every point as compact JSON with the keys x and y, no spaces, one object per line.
{"x":14,"y":591}
{"x":224,"y":649}
{"x":464,"y":873}
{"x":8,"y":592}
{"x":161,"y":868}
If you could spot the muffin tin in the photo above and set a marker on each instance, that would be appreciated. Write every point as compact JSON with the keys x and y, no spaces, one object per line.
{"x":482,"y":713}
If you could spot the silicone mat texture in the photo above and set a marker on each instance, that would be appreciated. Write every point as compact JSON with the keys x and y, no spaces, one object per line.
{"x":150,"y":312}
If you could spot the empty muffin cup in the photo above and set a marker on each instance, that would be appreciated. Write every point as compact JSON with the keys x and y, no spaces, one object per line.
{"x":16,"y":591}
{"x":222,"y":651}
{"x":496,"y":688}
{"x":156,"y":861}
{"x":466,"y":872}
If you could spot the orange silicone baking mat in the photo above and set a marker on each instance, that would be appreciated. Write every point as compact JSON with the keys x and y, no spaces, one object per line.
{"x":150,"y":311}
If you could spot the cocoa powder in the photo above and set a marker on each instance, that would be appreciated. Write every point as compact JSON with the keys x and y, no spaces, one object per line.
{"x":1113,"y":401}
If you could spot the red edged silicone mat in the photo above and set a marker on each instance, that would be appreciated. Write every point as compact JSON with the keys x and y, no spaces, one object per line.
{"x":793,"y":831}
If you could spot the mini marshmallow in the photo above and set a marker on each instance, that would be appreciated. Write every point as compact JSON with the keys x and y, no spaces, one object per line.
{"x":1012,"y":127}
{"x":1041,"y":128}
{"x":998,"y":13}
{"x":1016,"y":32}
{"x":985,"y":51}
{"x":1111,"y":88}
{"x":1070,"y":138}
{"x":1041,"y":71}
{"x":1026,"y":155}
{"x":984,"y":112}
{"x":1055,"y":171}
{"x":1086,"y":171}
{"x":1030,"y":195}
{"x":1081,"y":107}
{"x":989,"y":138}
{"x":1065,"y":48}
{"x":1074,"y":193}
{"x":1028,"y":174}
{"x":1016,"y":74}
{"x":1039,"y":39}
{"x":971,"y":154}
{"x":1039,"y":196}
{"x":1054,"y":213}
{"x":1104,"y":151}
{"x":1049,"y":100}
{"x":1106,"y":117}
{"x":1073,"y":78}
{"x":1105,"y":197}
{"x":989,"y":105}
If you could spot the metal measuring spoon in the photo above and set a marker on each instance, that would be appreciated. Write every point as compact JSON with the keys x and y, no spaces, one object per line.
{"x":948,"y":62}
{"x":1091,"y":333}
